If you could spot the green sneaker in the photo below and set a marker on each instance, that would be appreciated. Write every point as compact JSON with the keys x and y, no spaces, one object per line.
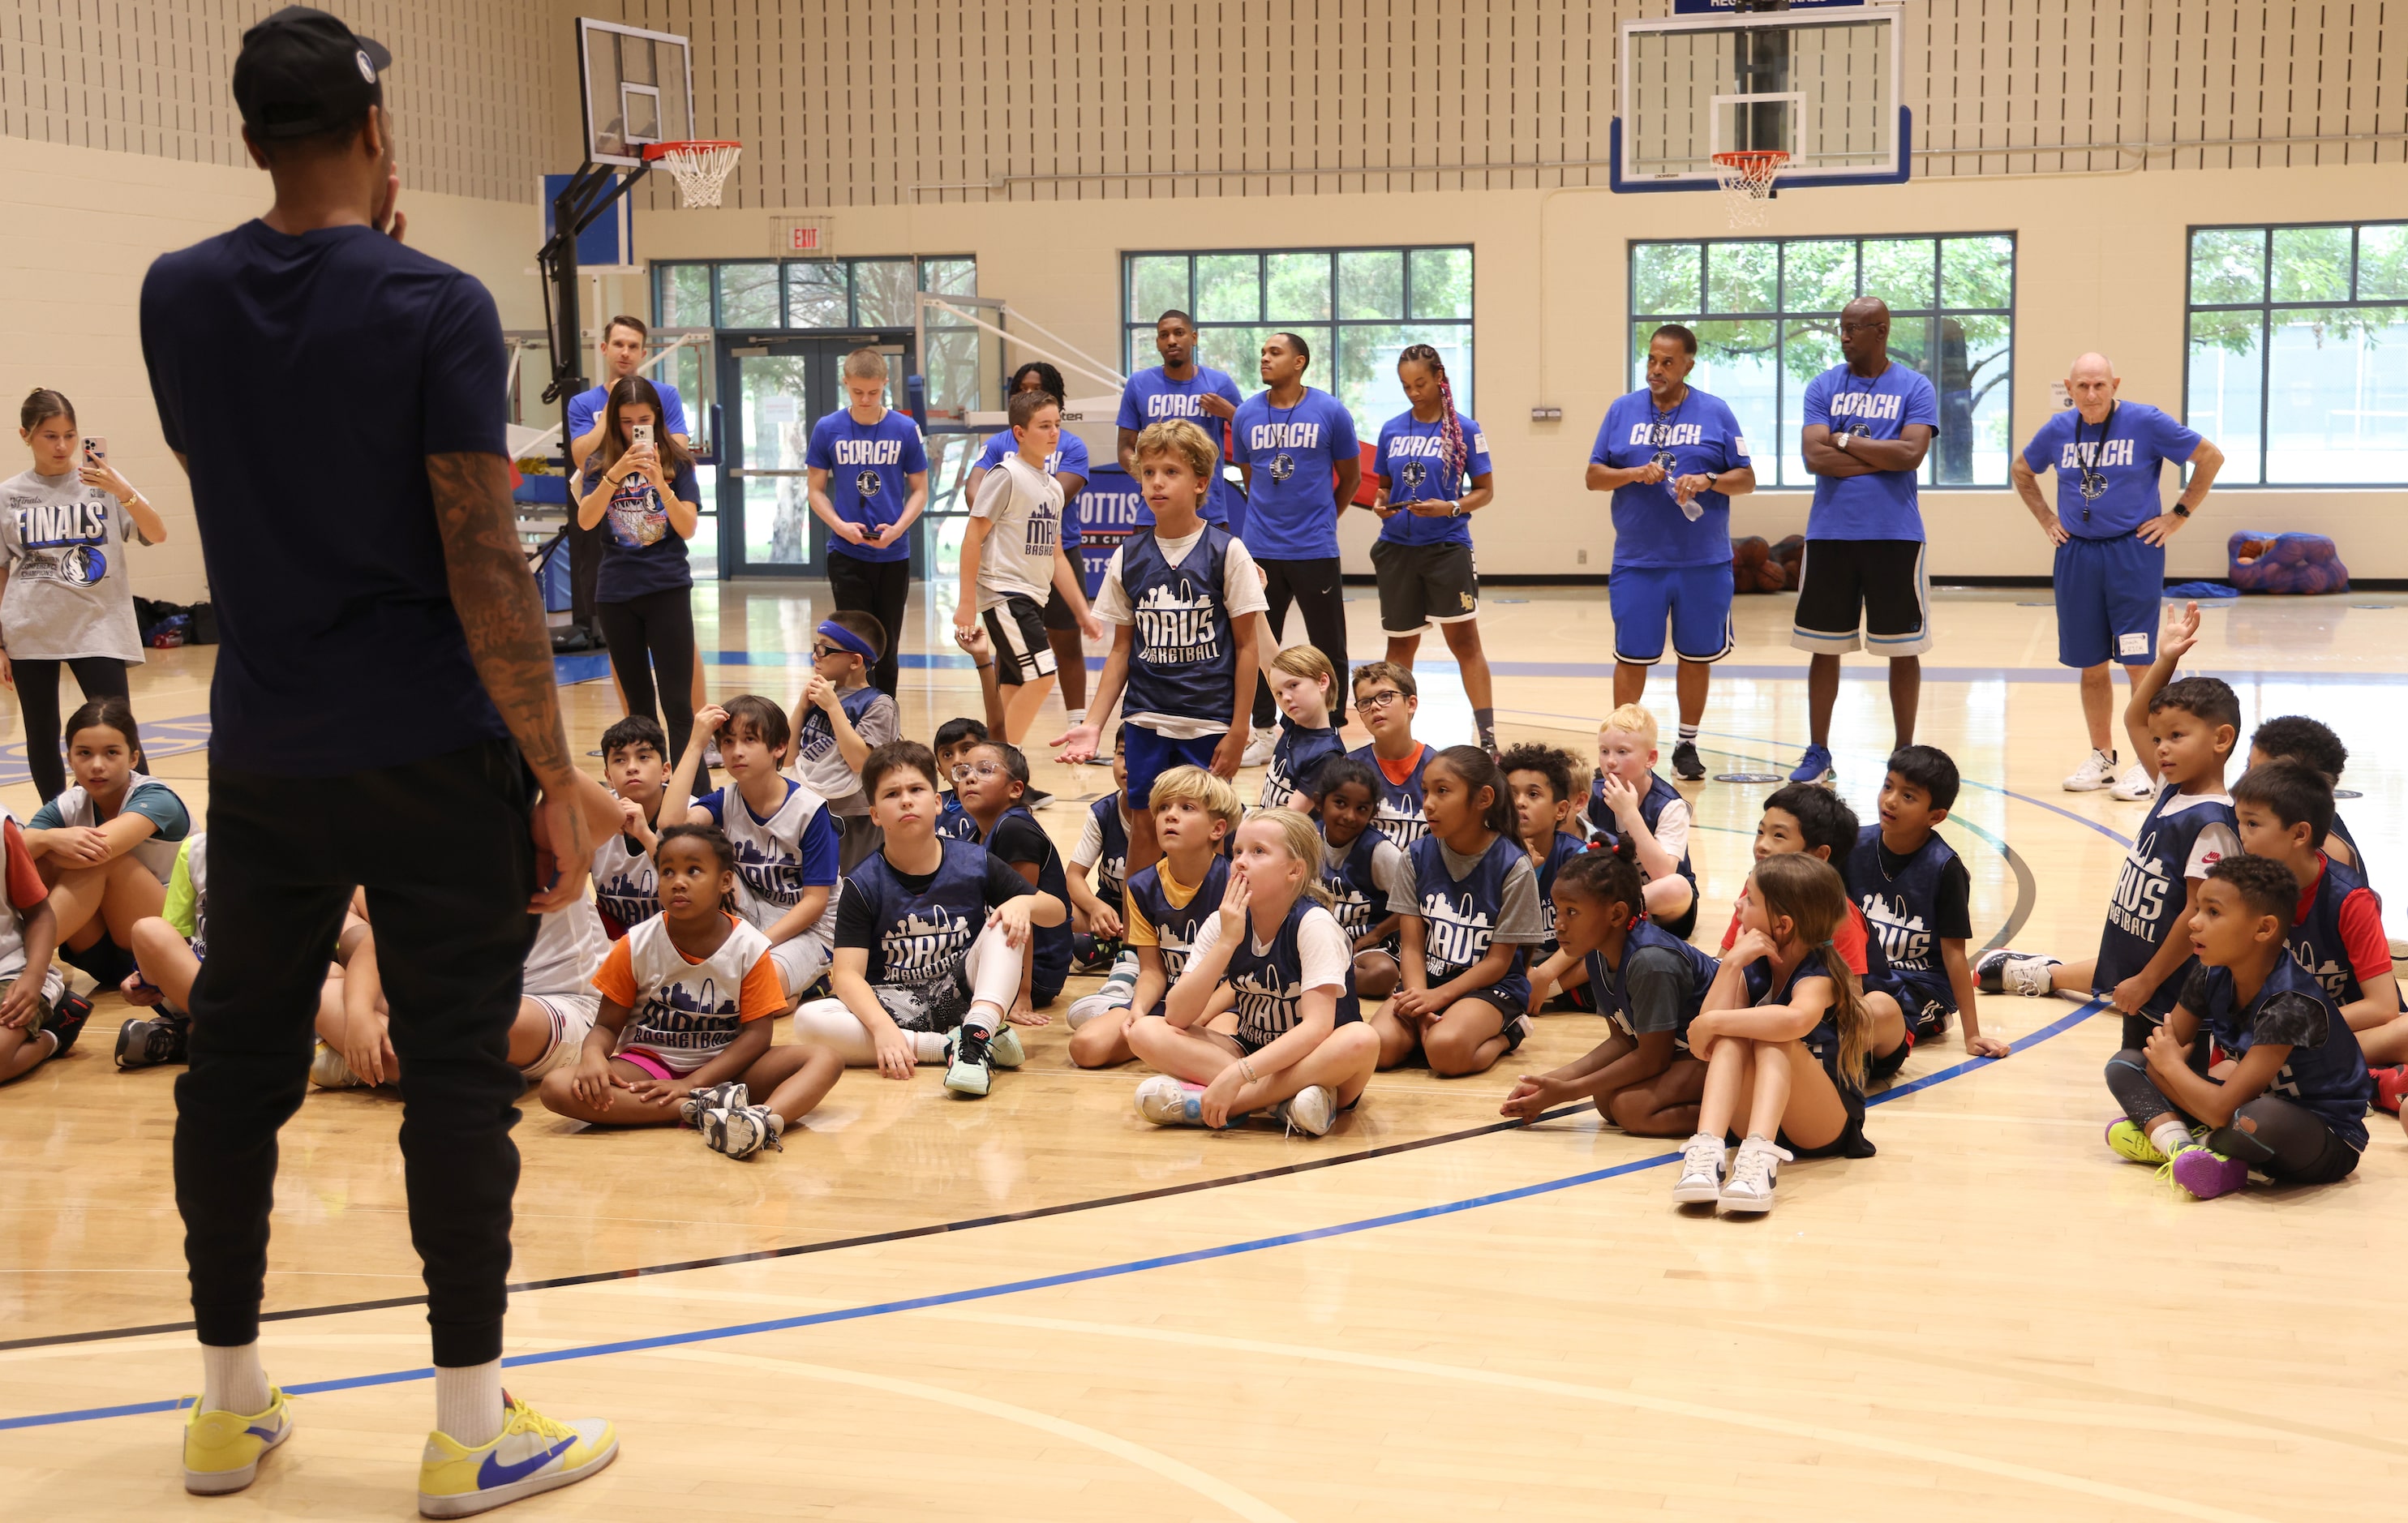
{"x":966,"y":1059}
{"x":2128,"y":1142}
{"x":1004,"y":1050}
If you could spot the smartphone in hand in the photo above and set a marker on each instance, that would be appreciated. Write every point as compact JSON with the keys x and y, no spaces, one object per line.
{"x":95,"y":451}
{"x":640,"y":433}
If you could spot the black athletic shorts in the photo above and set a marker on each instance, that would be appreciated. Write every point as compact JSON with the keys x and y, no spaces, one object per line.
{"x":1420,"y":585}
{"x":1022,"y":654}
{"x":1057,"y":614}
{"x":1868,"y":592}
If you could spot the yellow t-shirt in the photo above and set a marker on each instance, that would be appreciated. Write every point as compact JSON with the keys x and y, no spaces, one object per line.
{"x":1136,"y":929}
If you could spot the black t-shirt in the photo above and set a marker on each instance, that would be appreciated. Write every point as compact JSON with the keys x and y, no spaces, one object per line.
{"x":1955,"y":909}
{"x":1016,"y":837}
{"x":305,"y":379}
{"x":857,"y":923}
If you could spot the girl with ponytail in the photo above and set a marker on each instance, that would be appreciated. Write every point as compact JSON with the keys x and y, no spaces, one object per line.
{"x":1785,"y":1036}
{"x":1433,"y":474}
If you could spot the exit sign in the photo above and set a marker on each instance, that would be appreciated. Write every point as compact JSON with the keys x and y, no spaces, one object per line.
{"x":801,"y":240}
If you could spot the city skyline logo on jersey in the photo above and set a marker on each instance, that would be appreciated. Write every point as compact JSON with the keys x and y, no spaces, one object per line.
{"x":1179,"y":625}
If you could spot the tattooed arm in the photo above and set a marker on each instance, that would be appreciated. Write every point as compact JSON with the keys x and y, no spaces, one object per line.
{"x":499,"y":610}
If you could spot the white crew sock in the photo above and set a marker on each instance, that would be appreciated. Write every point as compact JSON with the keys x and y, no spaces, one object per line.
{"x":1690,"y":734}
{"x":2171,"y":1139}
{"x":232,"y":1380}
{"x":1076,"y":716}
{"x":928,"y":1046}
{"x":469,"y":1402}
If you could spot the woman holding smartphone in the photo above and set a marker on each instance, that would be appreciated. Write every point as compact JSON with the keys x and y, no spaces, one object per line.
{"x":641,"y":478}
{"x":69,"y":602}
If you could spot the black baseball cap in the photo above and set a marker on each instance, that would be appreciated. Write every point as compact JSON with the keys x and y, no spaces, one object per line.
{"x":302,"y":71}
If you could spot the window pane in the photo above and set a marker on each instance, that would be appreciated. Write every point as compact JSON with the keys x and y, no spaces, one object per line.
{"x":1367,"y":369}
{"x":1743,"y":278}
{"x":2228,"y":264}
{"x":952,"y":365}
{"x":1739,"y":363}
{"x":1911,"y":345}
{"x":1228,"y":288}
{"x":1157,"y":284}
{"x":1441,"y":283}
{"x":1900,"y":272}
{"x":748,"y":296}
{"x":1977,"y":272}
{"x":1973,"y":380}
{"x":1371,"y":283}
{"x":2311,"y":264}
{"x":1808,"y":348}
{"x":2225,"y":388}
{"x":1320,"y":338}
{"x":1298,"y":288}
{"x":2337,"y":397}
{"x":685,"y":296}
{"x":882,"y":290}
{"x":1818,"y":277}
{"x":1666,"y":277}
{"x":952,"y":277}
{"x":1237,"y":349}
{"x":815,"y":294}
{"x":2383,"y":262}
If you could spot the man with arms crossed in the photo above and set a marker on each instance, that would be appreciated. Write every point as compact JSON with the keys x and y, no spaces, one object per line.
{"x":383,"y":714}
{"x":2111,"y":545}
{"x":1868,"y":424}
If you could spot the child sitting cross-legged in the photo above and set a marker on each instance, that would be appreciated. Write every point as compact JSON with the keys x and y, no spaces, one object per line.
{"x":956,"y":739}
{"x":683,"y":1034}
{"x":1102,"y":849}
{"x":1362,"y":868}
{"x":1544,"y":780}
{"x":167,"y":951}
{"x":1631,"y":799}
{"x":993,"y":782}
{"x":2293,"y":1106}
{"x":35,"y":1021}
{"x":1305,"y":684}
{"x":1916,"y":897}
{"x":636,"y":764}
{"x":2312,"y":744}
{"x":107,"y":846}
{"x":842,"y":720}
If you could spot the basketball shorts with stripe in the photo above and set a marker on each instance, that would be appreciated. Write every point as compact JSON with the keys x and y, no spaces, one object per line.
{"x":1872,"y":595}
{"x":1016,"y":625}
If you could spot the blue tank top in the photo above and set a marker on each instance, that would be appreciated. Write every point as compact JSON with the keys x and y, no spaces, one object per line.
{"x":954,"y":822}
{"x":1175,"y":925}
{"x":1397,"y":814}
{"x":1560,"y":851}
{"x":2351,"y":841}
{"x":1295,"y":764}
{"x":1268,"y":983}
{"x":1183,"y":656}
{"x":1900,"y":911}
{"x":1823,"y":1041}
{"x":923,"y":937}
{"x":1459,"y":914}
{"x":1614,"y":995}
{"x":1052,"y":944}
{"x":2149,"y":894}
{"x":1111,"y":868}
{"x":2316,"y":942}
{"x":1650,"y":809}
{"x":2330,"y":1078}
{"x":1360,"y":904}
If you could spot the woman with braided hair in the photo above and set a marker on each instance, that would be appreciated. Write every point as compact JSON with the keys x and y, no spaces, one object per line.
{"x":1433,"y":475}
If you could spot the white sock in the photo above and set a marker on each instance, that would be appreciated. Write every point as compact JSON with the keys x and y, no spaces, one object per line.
{"x":469,"y":1402}
{"x":1689,"y":733}
{"x":2171,"y":1138}
{"x":232,"y":1380}
{"x":983,"y":1017}
{"x":928,"y":1046}
{"x":1076,"y":716}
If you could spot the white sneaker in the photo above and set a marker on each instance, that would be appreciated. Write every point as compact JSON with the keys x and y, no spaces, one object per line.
{"x":1088,"y":1007}
{"x":2135,"y":785}
{"x":1310,"y":1110}
{"x":328,"y":1070}
{"x":1701,"y":1172}
{"x":1167,"y":1101}
{"x":2007,"y":971}
{"x":1259,"y":746}
{"x":1754,"y":1174}
{"x":2097,"y":770}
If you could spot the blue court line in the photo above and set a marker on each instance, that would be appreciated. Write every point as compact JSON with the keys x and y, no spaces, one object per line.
{"x":1045,"y":1281}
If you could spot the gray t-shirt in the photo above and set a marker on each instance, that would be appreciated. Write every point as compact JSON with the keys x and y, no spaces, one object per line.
{"x":1520,"y":917}
{"x":1657,"y":979}
{"x":818,"y":762}
{"x":69,"y":594}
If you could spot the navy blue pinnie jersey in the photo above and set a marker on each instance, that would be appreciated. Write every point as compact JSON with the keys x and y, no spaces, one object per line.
{"x":1559,"y":851}
{"x":1397,"y":811}
{"x":2150,"y":892}
{"x":1823,"y":1041}
{"x":2326,"y":1072}
{"x":1650,"y":809}
{"x":1360,"y":903}
{"x":1614,"y":993}
{"x":1459,"y":914}
{"x":1183,"y":656}
{"x":1270,"y":984}
{"x":923,"y":937}
{"x":1175,"y":926}
{"x":954,"y":822}
{"x":1901,"y":911}
{"x":1295,"y":764}
{"x":1051,"y":942}
{"x":1112,"y":868}
{"x":2351,"y":841}
{"x":2316,"y":942}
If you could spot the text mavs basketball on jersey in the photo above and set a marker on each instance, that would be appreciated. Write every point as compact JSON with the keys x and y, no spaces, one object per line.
{"x":1178,"y":625}
{"x":918,"y":951}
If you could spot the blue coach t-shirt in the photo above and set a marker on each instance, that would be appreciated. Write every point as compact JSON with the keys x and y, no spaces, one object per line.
{"x":1151,"y":397}
{"x":2125,"y":455}
{"x":1291,"y":509}
{"x":1697,"y":434}
{"x":1881,"y":506}
{"x":1069,"y":456}
{"x":339,"y":650}
{"x":588,"y":405}
{"x":869,"y":468}
{"x":1412,"y":463}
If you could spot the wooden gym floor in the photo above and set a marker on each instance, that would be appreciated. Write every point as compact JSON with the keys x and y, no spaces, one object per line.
{"x":1039,"y":1307}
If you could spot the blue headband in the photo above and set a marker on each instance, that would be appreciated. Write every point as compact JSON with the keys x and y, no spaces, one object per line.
{"x":847,"y":639}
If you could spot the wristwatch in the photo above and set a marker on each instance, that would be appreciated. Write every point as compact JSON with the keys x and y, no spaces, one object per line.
{"x":2181,"y":512}
{"x":1842,"y":441}
{"x":1455,"y":508}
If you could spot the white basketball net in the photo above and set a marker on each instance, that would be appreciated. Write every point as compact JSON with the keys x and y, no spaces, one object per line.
{"x":700,"y":170}
{"x":1746,"y":179}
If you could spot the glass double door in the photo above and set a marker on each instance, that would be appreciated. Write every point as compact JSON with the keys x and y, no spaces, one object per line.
{"x":778,"y":389}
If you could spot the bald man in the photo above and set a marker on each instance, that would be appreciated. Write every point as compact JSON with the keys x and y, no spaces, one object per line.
{"x":1868,"y":424}
{"x":2110,"y":540}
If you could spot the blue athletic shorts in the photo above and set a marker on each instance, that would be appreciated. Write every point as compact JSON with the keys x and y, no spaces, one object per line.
{"x":1150,"y":755}
{"x":1925,"y":999}
{"x":1696,"y":599}
{"x":2107,"y":594}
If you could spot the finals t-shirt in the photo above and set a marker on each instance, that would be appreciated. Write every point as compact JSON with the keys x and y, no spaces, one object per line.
{"x":1291,"y":453}
{"x":69,"y":594}
{"x":869,"y":468}
{"x":1697,"y":434}
{"x":2125,"y":453}
{"x":1883,"y":505}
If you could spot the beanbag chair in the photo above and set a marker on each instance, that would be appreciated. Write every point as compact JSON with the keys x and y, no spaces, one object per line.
{"x":1753,"y":568}
{"x":2300,"y":563}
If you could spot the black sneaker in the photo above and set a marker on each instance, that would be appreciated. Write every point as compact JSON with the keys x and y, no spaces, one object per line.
{"x":1685,"y":765}
{"x":1035,"y":798}
{"x":67,"y":1021}
{"x":146,"y":1041}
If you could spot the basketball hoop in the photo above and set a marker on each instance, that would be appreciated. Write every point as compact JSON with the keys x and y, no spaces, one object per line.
{"x":701,"y":167}
{"x":1747,"y":178}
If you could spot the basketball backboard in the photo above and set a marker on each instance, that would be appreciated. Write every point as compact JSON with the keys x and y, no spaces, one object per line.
{"x":1820,"y":85}
{"x":637,"y":87}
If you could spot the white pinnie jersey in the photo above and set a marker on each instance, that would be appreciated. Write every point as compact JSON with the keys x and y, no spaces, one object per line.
{"x":75,"y":808}
{"x":569,"y":947}
{"x":770,"y":853}
{"x":12,"y":938}
{"x":687,"y":1012}
{"x":626,"y":884}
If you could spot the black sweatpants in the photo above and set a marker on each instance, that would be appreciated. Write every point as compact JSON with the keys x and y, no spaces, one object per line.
{"x":1317,"y":588}
{"x":651,"y":639}
{"x":882,"y":589}
{"x":38,"y":695}
{"x":449,"y":866}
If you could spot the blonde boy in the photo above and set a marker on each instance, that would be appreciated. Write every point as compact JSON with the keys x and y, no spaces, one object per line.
{"x":1629,"y":799}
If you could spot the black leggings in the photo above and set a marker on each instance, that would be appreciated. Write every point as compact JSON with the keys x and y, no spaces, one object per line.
{"x":37,"y":694}
{"x":652,"y":638}
{"x":1317,"y":588}
{"x":882,"y":590}
{"x":2282,"y":1141}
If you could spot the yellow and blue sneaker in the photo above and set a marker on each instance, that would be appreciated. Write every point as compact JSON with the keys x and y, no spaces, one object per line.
{"x":223,"y":1449}
{"x":533,"y":1453}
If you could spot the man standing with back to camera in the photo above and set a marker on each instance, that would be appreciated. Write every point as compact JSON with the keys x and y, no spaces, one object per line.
{"x":383,"y":713}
